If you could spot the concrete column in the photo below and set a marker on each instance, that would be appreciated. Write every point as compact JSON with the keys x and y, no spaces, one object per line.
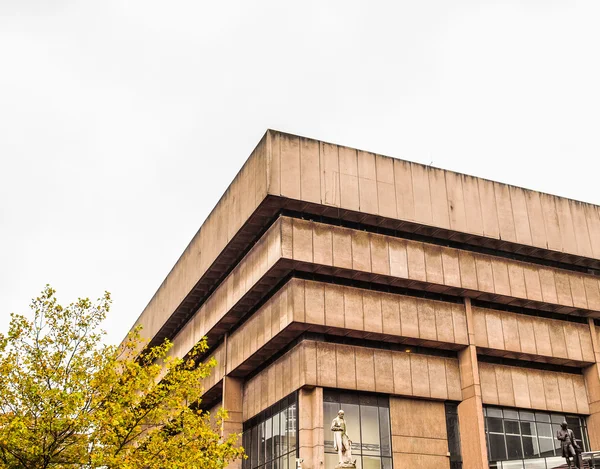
{"x":470,"y":410}
{"x":232,"y":403}
{"x":310,"y":426}
{"x":591,"y":375}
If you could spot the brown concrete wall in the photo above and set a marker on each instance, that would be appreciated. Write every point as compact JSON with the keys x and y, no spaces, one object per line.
{"x":353,"y":368}
{"x":246,"y":192}
{"x":502,"y":330}
{"x":533,"y":389}
{"x":443,"y":266}
{"x":339,"y":176}
{"x":218,"y":372}
{"x":419,"y":436}
{"x":310,"y":427}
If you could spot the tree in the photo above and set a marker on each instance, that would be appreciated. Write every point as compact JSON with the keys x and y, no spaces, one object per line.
{"x":69,"y":401}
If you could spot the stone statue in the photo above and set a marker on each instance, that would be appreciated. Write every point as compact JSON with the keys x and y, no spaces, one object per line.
{"x":570,"y":448}
{"x":341,"y":442}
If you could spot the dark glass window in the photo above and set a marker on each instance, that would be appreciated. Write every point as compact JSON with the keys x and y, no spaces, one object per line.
{"x":368,"y":420}
{"x":270,"y":438}
{"x":453,"y":433}
{"x":522,"y":439}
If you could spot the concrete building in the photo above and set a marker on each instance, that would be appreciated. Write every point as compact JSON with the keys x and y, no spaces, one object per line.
{"x":452,"y":318}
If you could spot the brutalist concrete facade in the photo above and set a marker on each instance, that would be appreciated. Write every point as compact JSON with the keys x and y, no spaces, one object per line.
{"x":326,"y":271}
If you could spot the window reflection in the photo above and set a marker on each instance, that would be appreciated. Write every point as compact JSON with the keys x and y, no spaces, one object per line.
{"x":270,"y":438}
{"x":519,"y":439}
{"x":368,"y":420}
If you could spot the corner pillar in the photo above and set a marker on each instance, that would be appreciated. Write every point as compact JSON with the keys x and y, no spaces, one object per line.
{"x":591,"y":375}
{"x":470,"y":410}
{"x":232,"y":403}
{"x":310,"y":426}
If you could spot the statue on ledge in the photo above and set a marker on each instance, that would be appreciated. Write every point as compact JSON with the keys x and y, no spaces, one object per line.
{"x":342,"y":443}
{"x":570,"y":448}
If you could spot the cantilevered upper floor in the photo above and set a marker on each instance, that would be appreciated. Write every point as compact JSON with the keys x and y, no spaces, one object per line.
{"x":304,"y":178}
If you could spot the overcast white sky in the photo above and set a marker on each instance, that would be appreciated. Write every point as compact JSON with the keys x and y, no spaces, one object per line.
{"x":122,"y":122}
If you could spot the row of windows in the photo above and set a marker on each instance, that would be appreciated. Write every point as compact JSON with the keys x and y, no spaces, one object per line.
{"x":368,"y":422}
{"x":271,"y":439}
{"x":524,"y":439}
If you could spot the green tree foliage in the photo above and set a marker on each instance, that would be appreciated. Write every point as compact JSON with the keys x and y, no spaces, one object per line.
{"x":69,"y":401}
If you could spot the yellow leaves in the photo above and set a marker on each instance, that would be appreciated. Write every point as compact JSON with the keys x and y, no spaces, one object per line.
{"x":70,"y":400}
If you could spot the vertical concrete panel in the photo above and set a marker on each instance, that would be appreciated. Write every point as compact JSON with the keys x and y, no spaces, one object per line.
{"x":494,"y":329}
{"x":456,"y":201}
{"x":386,"y":192}
{"x":302,"y":240}
{"x":506,"y":394}
{"x":460,"y":324}
{"x":433,"y":264}
{"x":510,"y":329}
{"x":536,"y":219}
{"x":563,"y":288}
{"x":290,"y":166}
{"x":326,"y":373}
{"x":536,"y":389}
{"x":380,"y":255}
{"x":334,"y":305}
{"x":581,"y":396}
{"x":565,"y":222}
{"x":390,"y":311}
{"x":551,"y":224}
{"x":592,"y":293}
{"x":505,"y":214}
{"x":361,"y":251}
{"x":567,"y":393}
{"x":453,"y":380}
{"x":365,"y":369}
{"x":308,"y":363}
{"x":584,"y":247}
{"x":475,"y":199}
{"x":422,"y":197}
{"x":450,"y":267}
{"x":384,"y":373}
{"x":521,"y":388}
{"x":480,"y":328}
{"x":354,"y":309}
{"x":548,"y":285}
{"x":578,"y":291}
{"x":315,"y":303}
{"x":485,"y":278}
{"x":405,"y":204}
{"x":526,"y":334}
{"x":489,"y":387}
{"x":520,"y":215}
{"x":274,"y":163}
{"x":287,"y":243}
{"x":437,"y":378}
{"x":330,"y":175}
{"x":349,"y":179}
{"x":398,"y":258}
{"x":557,"y":339}
{"x":552,"y":392}
{"x":342,"y":248}
{"x":439,"y":198}
{"x":402,"y":373}
{"x":517,"y":280}
{"x":367,"y":182}
{"x":409,"y":318}
{"x":468,"y":273}
{"x":372,"y":311}
{"x":542,"y":336}
{"x":322,"y":244}
{"x":443,"y":321}
{"x":416,"y":261}
{"x":585,"y":339}
{"x":532,"y":282}
{"x":426,"y":320}
{"x":420,"y":375}
{"x":571,"y":332}
{"x":501,"y":279}
{"x":592,"y":216}
{"x":345,"y":366}
{"x":310,"y":171}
